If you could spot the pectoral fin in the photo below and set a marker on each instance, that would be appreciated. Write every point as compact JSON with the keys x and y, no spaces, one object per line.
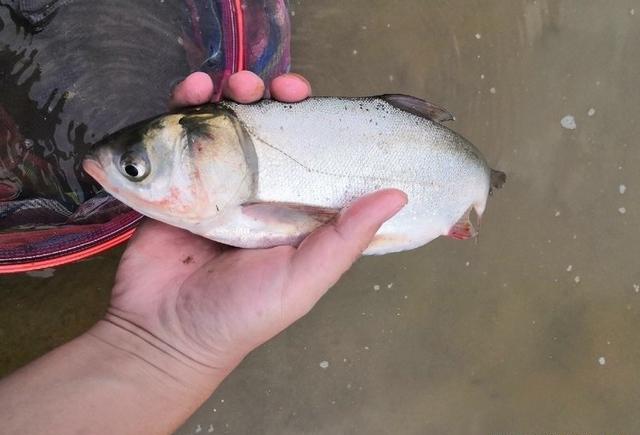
{"x":266,"y":224}
{"x":418,"y":107}
{"x":282,"y":214}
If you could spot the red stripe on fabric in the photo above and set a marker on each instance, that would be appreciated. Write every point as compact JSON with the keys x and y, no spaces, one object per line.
{"x":70,"y":258}
{"x":240,"y":55}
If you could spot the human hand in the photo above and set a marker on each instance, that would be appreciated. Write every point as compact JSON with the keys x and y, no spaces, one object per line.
{"x":209,"y":305}
{"x":185,"y":311}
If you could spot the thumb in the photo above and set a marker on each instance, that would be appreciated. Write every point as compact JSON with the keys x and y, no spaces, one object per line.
{"x":330,"y":251}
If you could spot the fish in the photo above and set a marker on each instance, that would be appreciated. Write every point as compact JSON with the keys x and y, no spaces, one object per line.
{"x":268,"y":174}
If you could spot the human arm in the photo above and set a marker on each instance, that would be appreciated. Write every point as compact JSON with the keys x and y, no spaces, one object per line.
{"x":184,"y":312}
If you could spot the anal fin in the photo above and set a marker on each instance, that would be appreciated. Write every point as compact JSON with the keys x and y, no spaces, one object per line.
{"x":463,"y":229}
{"x":283,"y":213}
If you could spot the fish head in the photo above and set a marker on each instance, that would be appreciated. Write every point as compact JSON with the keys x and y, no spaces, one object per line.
{"x":181,"y":168}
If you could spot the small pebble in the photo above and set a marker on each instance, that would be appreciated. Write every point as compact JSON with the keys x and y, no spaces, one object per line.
{"x":44,"y":273}
{"x":492,"y":90}
{"x":557,"y":213}
{"x":568,"y":122}
{"x":636,"y":288}
{"x":622,"y":210}
{"x":602,"y":361}
{"x":622,"y":189}
{"x":577,"y":279}
{"x":376,"y":287}
{"x":569,"y":268}
{"x":591,"y":112}
{"x":478,"y":36}
{"x":324,"y":364}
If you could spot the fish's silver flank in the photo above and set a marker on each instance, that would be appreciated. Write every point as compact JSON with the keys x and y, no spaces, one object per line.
{"x":284,"y":169}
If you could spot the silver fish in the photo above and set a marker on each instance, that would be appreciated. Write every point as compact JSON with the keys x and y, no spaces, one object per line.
{"x":267,"y":174}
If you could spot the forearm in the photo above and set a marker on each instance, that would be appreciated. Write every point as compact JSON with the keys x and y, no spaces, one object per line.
{"x":109,"y":380}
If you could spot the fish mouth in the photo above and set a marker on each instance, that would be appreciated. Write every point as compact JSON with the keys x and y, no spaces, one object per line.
{"x":92,"y":166}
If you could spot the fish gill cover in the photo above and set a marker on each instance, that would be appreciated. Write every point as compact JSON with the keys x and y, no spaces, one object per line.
{"x":72,"y":71}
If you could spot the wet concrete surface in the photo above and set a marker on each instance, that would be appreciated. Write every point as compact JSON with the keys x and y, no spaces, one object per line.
{"x":531,"y":330}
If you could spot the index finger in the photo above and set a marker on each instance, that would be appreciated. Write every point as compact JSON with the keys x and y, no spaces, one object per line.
{"x":290,"y":88}
{"x":196,"y":89}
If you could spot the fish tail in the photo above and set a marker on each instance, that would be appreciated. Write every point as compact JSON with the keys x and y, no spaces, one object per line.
{"x":498,"y":178}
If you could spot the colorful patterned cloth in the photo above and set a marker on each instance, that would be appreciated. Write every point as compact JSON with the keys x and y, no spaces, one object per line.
{"x":72,"y":71}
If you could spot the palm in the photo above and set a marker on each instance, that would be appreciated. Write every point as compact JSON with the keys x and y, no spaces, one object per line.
{"x":202,"y":288}
{"x":159,"y":258}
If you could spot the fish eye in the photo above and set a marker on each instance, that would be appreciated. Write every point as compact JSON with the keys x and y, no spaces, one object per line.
{"x":134,"y":166}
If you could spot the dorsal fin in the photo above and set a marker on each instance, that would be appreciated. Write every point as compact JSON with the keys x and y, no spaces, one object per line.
{"x":418,"y":107}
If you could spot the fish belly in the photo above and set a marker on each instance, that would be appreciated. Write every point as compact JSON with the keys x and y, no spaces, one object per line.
{"x":328,"y":152}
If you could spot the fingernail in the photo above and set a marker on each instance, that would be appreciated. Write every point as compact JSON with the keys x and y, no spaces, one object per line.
{"x":399,"y":205}
{"x":301,"y":77}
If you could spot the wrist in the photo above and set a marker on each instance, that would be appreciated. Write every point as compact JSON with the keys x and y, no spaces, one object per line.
{"x":109,"y":380}
{"x":139,"y":357}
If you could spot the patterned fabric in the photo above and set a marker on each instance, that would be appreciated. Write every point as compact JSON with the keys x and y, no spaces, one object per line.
{"x":58,"y":61}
